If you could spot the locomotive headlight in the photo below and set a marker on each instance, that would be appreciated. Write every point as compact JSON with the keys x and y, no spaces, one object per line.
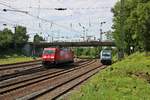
{"x":52,"y":57}
{"x":44,"y":57}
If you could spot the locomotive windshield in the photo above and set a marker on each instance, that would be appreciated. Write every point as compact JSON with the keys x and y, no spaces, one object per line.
{"x":48,"y":52}
{"x":105,"y":54}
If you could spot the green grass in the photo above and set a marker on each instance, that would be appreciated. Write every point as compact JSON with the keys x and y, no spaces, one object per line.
{"x":125,"y":80}
{"x":10,"y":60}
{"x":14,"y":58}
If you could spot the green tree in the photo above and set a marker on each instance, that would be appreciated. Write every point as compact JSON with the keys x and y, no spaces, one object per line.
{"x":20,"y":36}
{"x":143,"y":13}
{"x":109,"y":35}
{"x":136,"y":27}
{"x":6,"y":38}
{"x":38,"y":38}
{"x":87,"y":51}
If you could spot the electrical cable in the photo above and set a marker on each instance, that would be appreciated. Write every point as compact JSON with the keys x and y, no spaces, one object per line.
{"x":45,"y":20}
{"x":50,"y":21}
{"x":21,"y":24}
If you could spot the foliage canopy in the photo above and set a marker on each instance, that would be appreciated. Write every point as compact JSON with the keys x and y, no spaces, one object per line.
{"x":136,"y":27}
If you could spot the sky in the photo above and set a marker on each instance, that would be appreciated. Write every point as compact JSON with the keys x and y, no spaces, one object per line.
{"x":82,"y":18}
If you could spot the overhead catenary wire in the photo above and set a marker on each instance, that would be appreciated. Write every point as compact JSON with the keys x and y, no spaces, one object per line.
{"x":38,"y":29}
{"x":45,"y":20}
{"x":50,"y":21}
{"x":13,"y":23}
{"x":86,"y":8}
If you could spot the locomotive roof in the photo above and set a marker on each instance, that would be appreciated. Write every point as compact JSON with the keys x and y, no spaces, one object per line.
{"x":54,"y":48}
{"x":50,"y":48}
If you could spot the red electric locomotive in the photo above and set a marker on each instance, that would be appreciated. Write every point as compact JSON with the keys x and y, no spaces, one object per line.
{"x":57,"y":56}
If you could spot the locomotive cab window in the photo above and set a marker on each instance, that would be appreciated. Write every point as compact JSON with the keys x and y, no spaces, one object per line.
{"x":48,"y":52}
{"x":106,"y":54}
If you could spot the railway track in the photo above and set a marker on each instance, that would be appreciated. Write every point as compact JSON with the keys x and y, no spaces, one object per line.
{"x":35,"y":85}
{"x":5,"y":75}
{"x":32,"y":76}
{"x":25,"y":80}
{"x":9,"y":69}
{"x":18,"y":65}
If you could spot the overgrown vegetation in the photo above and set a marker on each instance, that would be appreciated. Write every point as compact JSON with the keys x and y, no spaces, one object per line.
{"x":11,"y":45}
{"x":86,"y":52}
{"x":38,"y":38}
{"x":126,"y":80}
{"x":13,"y":56}
{"x":10,"y":40}
{"x":14,"y":59}
{"x":136,"y":27}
